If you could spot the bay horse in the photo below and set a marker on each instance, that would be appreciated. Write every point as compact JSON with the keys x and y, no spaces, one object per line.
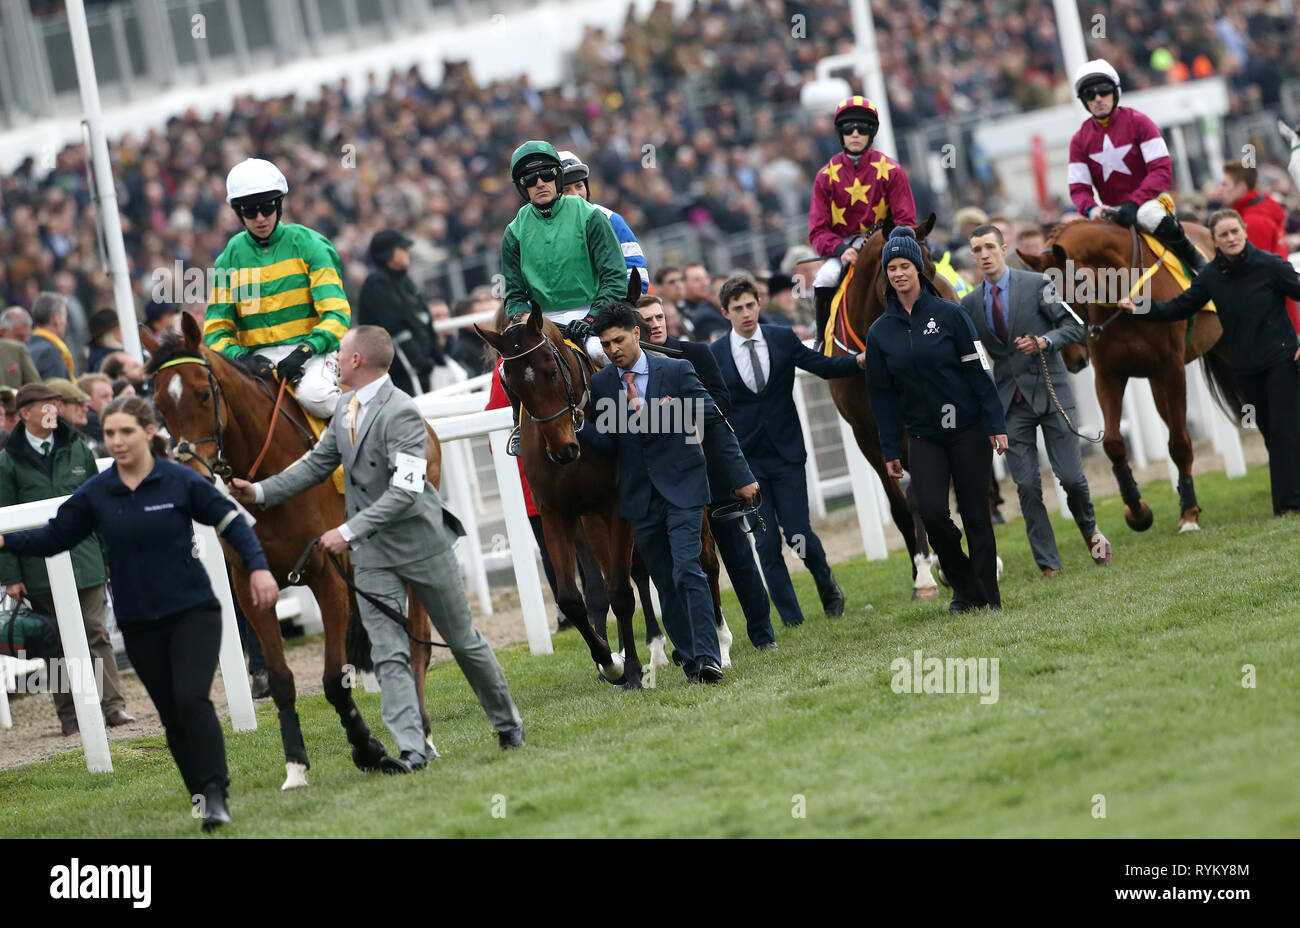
{"x":1123,"y":347}
{"x":205,"y":399}
{"x":569,"y":487}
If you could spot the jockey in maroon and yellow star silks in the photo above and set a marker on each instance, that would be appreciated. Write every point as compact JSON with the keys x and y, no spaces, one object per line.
{"x":849,"y":199}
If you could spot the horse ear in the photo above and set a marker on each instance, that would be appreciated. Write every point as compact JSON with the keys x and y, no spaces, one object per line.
{"x":634,"y":286}
{"x":536,"y":318}
{"x":1034,"y":262}
{"x":1058,"y":253}
{"x":924,"y":229}
{"x":490,"y":336}
{"x":887,"y":226}
{"x":190,"y":330}
{"x":147,"y":341}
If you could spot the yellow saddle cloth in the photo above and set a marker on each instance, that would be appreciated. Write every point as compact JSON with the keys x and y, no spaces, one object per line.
{"x":1168,"y":260}
{"x":318,"y":427}
{"x":838,"y":331}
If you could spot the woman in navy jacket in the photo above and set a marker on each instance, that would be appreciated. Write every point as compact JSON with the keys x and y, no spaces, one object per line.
{"x":927,"y":372}
{"x":162,"y":599}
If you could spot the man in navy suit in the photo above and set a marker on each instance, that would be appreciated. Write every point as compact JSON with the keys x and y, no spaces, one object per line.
{"x":757,"y":364}
{"x":656,"y":416}
{"x":733,"y":548}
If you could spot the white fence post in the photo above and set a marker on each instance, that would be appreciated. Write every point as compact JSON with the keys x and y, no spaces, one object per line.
{"x":234,"y":673}
{"x":520,"y":534}
{"x":812,"y":473}
{"x":76,"y":652}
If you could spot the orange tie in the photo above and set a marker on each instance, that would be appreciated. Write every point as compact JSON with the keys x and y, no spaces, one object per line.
{"x":633,"y":397}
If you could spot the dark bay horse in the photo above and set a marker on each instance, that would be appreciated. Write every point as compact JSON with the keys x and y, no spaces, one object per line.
{"x":1124,"y":347}
{"x":207,"y":400}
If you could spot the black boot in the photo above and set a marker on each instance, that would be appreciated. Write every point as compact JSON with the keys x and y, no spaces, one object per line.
{"x":822,"y":298}
{"x":215,"y":813}
{"x":1171,"y":232}
{"x":512,"y":446}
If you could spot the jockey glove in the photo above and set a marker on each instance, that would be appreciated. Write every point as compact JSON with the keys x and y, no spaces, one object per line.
{"x":1127,"y":214}
{"x":257,"y":365}
{"x":578,"y":331}
{"x":290,"y":368}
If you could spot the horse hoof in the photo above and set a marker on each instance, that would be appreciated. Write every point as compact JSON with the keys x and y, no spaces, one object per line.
{"x":367,"y":757}
{"x":614,"y":672}
{"x":658,"y":653}
{"x":1189,"y":527}
{"x":628,"y":685}
{"x":925,"y":592}
{"x":1142,"y":521}
{"x":295,"y":775}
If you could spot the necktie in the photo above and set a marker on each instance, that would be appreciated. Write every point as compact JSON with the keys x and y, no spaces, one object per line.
{"x":759,"y":380}
{"x":1000,"y":326}
{"x":632,"y":396}
{"x":45,"y":448}
{"x":354,"y":406}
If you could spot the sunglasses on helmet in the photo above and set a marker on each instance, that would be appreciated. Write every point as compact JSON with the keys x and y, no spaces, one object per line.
{"x":1097,"y":90}
{"x":265,"y":208}
{"x":860,"y":126}
{"x":543,"y":174}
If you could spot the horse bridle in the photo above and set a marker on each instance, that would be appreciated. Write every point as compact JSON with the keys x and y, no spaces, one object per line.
{"x":573,"y":404}
{"x":184,"y":449}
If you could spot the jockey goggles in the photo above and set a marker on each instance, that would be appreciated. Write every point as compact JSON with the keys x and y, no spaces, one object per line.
{"x":543,"y":174}
{"x":265,"y":208}
{"x":862,"y":127}
{"x":1096,"y":90}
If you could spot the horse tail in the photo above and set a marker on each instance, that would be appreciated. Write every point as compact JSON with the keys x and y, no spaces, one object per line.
{"x":1223,"y":383}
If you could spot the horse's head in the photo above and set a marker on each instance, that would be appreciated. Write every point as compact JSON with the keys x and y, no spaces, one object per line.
{"x":867,"y":290}
{"x":546,"y":377}
{"x":188,"y":392}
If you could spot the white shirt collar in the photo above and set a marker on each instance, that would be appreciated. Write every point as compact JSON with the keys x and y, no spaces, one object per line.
{"x":369,"y":391}
{"x":36,"y":442}
{"x":738,"y":340}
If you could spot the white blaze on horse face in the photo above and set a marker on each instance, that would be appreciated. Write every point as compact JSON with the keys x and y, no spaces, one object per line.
{"x":175,"y":390}
{"x":530,"y":375}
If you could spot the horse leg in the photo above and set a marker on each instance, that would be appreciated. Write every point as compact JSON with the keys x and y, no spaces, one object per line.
{"x":611,"y":541}
{"x":709,"y":561}
{"x":280,"y":677}
{"x":559,"y":529}
{"x":339,"y":676}
{"x":1110,"y":396}
{"x":654,"y":636}
{"x":1170,"y":393}
{"x":417,"y":620}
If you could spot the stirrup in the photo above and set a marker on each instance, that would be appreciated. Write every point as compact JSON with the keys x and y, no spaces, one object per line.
{"x":512,"y":444}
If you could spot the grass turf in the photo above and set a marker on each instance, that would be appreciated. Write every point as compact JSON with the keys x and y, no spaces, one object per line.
{"x":1124,"y":682}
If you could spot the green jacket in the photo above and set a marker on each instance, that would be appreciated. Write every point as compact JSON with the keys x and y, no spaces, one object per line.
{"x":16,"y":365}
{"x":565,"y":261}
{"x":287,"y":293}
{"x":24,"y":480}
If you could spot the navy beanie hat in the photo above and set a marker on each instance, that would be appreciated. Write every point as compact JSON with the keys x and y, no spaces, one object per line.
{"x":902,"y":244}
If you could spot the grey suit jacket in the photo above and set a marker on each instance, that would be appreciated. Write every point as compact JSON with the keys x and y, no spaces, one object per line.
{"x":392,"y":525}
{"x":1029,"y":313}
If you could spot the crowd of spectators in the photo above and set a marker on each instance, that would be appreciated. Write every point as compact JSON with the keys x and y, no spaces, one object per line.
{"x":682,"y":121}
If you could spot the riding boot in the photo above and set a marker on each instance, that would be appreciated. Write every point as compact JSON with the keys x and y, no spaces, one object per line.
{"x":512,"y":444}
{"x":822,"y":298}
{"x":1171,"y":232}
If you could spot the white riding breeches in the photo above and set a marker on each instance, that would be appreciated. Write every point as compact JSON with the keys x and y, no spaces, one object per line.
{"x":828,"y":275}
{"x":317,"y":391}
{"x":1150,"y":214}
{"x":594,"y":351}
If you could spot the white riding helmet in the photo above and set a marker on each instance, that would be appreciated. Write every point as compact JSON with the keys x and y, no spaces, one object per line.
{"x":1094,"y":72}
{"x":253,"y":176}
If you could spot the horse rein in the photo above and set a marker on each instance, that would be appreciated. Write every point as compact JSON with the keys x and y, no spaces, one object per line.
{"x":574,"y":405}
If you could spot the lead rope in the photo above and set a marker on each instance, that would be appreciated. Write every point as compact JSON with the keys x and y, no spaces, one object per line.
{"x":1051,"y":391}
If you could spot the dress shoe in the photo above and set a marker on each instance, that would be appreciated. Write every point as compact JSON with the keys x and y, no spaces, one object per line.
{"x":118,"y":717}
{"x":770,"y":646}
{"x":710,"y":671}
{"x":832,"y":600}
{"x":1099,"y":548}
{"x":1051,"y":572}
{"x":408,"y":762}
{"x":70,"y":726}
{"x":961,"y":605}
{"x":514,"y":738}
{"x":261,"y":685}
{"x":215,"y":812}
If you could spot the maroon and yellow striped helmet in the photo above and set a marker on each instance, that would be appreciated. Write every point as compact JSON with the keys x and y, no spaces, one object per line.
{"x":856,"y":108}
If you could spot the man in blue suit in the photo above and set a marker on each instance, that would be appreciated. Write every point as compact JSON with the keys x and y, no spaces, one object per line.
{"x":757,"y":364}
{"x":656,"y":417}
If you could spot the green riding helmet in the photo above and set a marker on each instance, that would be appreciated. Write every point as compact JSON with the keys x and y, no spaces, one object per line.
{"x":531,"y":156}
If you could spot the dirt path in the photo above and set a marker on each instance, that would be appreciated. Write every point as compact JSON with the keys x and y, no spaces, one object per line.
{"x":36,"y":736}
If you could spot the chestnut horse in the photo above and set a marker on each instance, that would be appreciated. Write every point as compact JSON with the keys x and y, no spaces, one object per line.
{"x":1124,"y":347}
{"x":206,"y":399}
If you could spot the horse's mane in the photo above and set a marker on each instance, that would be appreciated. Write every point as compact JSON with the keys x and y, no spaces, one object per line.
{"x":1055,"y":231}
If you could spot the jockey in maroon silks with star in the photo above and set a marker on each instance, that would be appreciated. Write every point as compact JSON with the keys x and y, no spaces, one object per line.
{"x":1120,"y":153}
{"x":856,"y":189}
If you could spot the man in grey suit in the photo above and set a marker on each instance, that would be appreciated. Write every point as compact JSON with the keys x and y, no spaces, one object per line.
{"x":400,"y":537}
{"x":1016,"y":321}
